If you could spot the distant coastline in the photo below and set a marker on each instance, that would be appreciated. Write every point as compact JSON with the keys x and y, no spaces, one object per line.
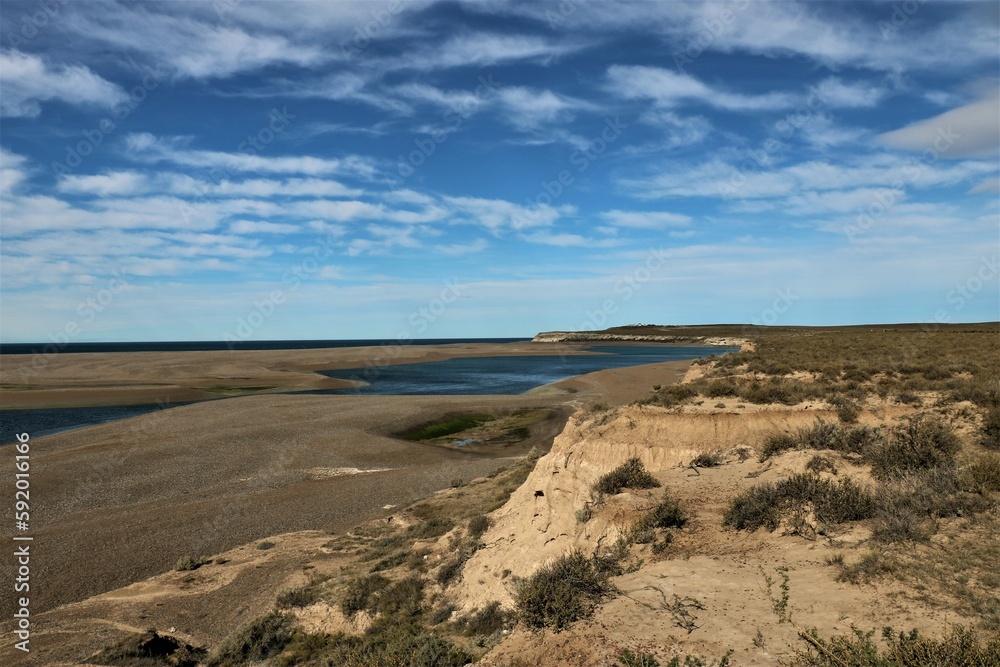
{"x":591,"y":336}
{"x":212,"y":346}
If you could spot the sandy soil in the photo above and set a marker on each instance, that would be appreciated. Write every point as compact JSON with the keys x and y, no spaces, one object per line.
{"x":116,"y":503}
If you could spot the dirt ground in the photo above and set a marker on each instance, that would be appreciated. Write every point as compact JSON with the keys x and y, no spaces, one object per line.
{"x":118,"y":503}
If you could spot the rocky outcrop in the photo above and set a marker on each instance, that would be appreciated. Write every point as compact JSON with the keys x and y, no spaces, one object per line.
{"x":539,"y":522}
{"x":588,"y":336}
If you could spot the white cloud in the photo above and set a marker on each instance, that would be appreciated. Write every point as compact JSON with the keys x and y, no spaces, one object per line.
{"x":459,"y":249}
{"x":835,"y":92}
{"x":187,"y":45}
{"x":972,"y":130}
{"x":384,"y":240}
{"x":103,"y":185}
{"x":668,"y":88}
{"x":564,"y":240}
{"x":530,"y":109}
{"x":722,"y":179}
{"x":261,"y":227}
{"x":989,"y":186}
{"x":646,"y":219}
{"x":147,"y":147}
{"x":821,"y":32}
{"x":26,"y":81}
{"x":499,"y":215}
{"x":12,"y":171}
{"x":482,"y":49}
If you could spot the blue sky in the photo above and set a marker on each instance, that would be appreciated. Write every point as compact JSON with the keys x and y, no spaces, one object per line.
{"x":414,"y":169}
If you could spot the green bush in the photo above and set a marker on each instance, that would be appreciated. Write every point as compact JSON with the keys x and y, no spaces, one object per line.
{"x":666,"y":514}
{"x":707,"y":460}
{"x":777,"y":444}
{"x":990,"y":438}
{"x":187,"y":564}
{"x":402,"y":599}
{"x":359,"y":592}
{"x":384,"y":644}
{"x":446,"y":426}
{"x":149,"y":649}
{"x":630,"y":475}
{"x":630,"y":659}
{"x":297,"y":597}
{"x":561,"y":593}
{"x":961,"y":647}
{"x":919,"y":443}
{"x":675,"y":394}
{"x":820,"y":463}
{"x":721,"y":389}
{"x":831,"y":502}
{"x":983,"y":474}
{"x":848,"y":411}
{"x":477,"y":526}
{"x":429,"y":529}
{"x":487,"y":621}
{"x":907,"y":507}
{"x":775,"y":390}
{"x":258,"y":640}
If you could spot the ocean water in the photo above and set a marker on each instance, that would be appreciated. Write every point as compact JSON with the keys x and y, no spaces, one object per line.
{"x":507,"y":375}
{"x":480,"y":375}
{"x":201,"y":345}
{"x":37,"y":423}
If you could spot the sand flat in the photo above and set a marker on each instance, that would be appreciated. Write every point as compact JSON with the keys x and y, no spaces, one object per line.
{"x":116,"y":503}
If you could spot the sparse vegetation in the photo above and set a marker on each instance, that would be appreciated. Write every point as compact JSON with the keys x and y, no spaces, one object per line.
{"x":561,"y":593}
{"x":487,"y":621}
{"x":149,"y":649}
{"x":707,"y":460}
{"x":188,"y":564}
{"x":630,"y":659}
{"x":447,"y":426}
{"x":630,"y":475}
{"x":829,"y":501}
{"x":990,"y":437}
{"x":297,"y":598}
{"x":961,"y":647}
{"x":385,"y":643}
{"x":359,"y":593}
{"x":258,"y":640}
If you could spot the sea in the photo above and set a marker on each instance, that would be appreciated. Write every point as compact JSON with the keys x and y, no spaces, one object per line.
{"x":474,"y":375}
